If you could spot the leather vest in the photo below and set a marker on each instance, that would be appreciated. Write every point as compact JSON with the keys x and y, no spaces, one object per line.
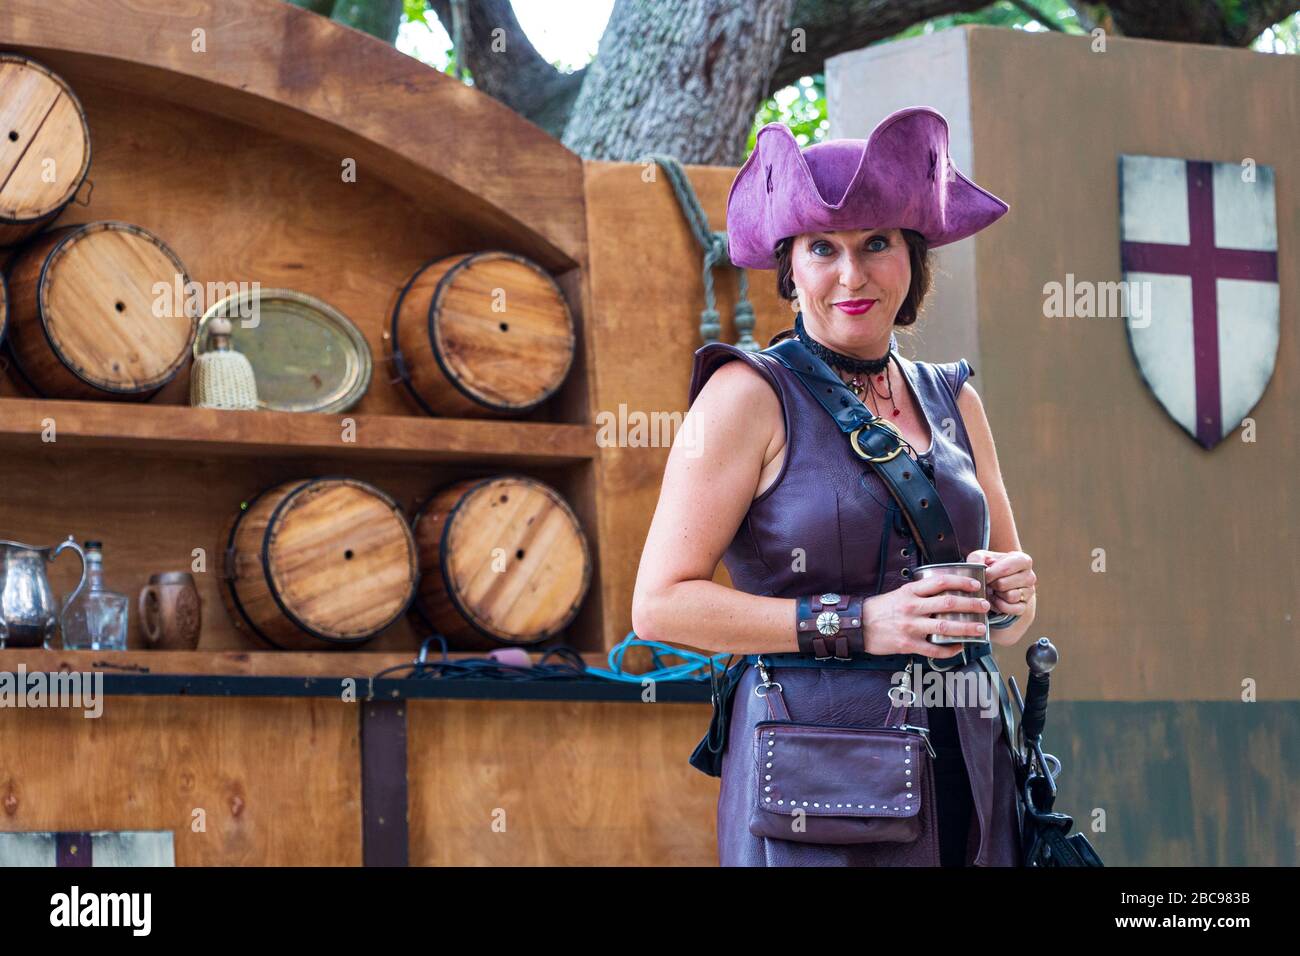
{"x":828,"y":523}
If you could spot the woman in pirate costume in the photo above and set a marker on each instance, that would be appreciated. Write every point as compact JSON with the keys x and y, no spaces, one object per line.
{"x":763,"y":478}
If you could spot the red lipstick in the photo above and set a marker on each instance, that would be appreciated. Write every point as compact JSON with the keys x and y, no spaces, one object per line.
{"x":855,"y":306}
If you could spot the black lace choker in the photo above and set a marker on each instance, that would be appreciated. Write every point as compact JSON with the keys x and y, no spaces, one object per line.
{"x":838,"y":359}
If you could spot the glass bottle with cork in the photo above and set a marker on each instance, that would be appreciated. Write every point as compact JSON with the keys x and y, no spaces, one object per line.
{"x":96,"y":620}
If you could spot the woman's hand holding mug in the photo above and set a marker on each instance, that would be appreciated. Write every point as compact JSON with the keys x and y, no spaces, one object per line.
{"x":899,"y":621}
{"x":1010,"y":579}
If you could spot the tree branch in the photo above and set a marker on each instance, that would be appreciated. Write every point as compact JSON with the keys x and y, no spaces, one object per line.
{"x":505,"y":64}
{"x":831,"y":27}
{"x":1199,"y":21}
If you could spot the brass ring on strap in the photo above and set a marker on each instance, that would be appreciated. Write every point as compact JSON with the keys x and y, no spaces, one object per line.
{"x":882,"y":423}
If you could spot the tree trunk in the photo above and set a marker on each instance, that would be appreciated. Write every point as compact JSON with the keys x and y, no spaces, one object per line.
{"x":682,"y":77}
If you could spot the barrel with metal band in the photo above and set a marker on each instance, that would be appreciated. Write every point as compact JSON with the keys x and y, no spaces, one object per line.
{"x":481,"y":335}
{"x":45,"y":157}
{"x":829,"y":625}
{"x":317,"y":564}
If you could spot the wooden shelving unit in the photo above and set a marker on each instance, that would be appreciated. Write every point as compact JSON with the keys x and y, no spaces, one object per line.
{"x":235,"y":164}
{"x":180,"y":430}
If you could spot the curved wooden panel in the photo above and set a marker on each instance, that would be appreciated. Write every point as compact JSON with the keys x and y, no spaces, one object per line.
{"x":284,"y":70}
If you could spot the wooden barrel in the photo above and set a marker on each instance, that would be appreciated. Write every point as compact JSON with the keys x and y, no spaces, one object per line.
{"x":84,"y":319}
{"x":503,"y":561}
{"x":480,"y":335}
{"x":44,"y":147}
{"x":318,"y":564}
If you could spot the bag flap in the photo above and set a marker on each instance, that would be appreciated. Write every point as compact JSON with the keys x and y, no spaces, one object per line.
{"x":838,"y":771}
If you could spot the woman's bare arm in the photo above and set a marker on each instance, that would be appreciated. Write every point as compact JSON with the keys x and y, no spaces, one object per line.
{"x":712,"y":474}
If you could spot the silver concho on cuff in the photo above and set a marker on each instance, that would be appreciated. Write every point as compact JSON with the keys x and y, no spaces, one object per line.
{"x":828,"y":623}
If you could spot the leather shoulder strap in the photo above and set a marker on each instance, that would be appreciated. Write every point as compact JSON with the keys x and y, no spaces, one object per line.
{"x":878,"y":443}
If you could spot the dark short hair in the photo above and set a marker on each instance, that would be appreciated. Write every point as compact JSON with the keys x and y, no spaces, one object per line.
{"x":918,"y":252}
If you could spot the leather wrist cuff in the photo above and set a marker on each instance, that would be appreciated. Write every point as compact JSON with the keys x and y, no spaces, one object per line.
{"x":829,"y":625}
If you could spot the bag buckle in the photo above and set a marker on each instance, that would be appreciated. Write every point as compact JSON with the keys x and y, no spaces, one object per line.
{"x":876,"y":422}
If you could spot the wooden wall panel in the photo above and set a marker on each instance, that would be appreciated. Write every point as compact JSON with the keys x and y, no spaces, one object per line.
{"x":580,"y":784}
{"x":277,"y":779}
{"x":575,"y":784}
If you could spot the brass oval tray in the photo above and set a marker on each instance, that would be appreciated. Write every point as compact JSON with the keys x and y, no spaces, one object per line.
{"x":307,"y":356}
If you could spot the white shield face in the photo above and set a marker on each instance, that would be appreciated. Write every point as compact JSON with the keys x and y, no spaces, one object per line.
{"x":1201,"y":239}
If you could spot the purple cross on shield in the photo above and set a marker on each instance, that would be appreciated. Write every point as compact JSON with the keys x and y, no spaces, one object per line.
{"x":1204,"y":236}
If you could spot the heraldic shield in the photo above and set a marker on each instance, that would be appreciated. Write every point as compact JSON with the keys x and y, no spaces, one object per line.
{"x":1200,"y":239}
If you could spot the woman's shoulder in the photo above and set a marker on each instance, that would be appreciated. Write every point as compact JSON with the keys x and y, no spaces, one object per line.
{"x":711,"y":357}
{"x":952,"y":375}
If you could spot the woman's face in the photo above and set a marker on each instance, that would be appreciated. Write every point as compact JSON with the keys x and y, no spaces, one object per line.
{"x":837,"y":273}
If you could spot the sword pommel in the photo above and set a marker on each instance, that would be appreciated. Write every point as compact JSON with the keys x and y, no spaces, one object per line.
{"x":1041,"y":657}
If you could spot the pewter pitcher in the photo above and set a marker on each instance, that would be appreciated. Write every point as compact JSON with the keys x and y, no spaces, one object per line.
{"x":28,"y":607}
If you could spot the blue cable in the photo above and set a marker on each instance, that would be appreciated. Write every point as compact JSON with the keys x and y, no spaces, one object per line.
{"x":692,"y":663}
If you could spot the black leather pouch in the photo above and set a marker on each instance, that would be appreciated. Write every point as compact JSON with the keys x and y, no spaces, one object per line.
{"x":707,"y":757}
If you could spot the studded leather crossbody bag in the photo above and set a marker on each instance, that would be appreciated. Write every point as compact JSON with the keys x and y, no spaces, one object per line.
{"x":826,"y":783}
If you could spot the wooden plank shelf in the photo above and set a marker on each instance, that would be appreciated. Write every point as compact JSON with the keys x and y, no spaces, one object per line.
{"x":265,"y":663}
{"x":286,"y":674}
{"x":179,"y":429}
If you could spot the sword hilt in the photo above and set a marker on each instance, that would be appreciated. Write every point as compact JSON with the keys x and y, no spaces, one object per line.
{"x":1042,"y":658}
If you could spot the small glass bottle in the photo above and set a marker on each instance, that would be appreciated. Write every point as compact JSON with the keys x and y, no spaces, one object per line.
{"x":97,"y":619}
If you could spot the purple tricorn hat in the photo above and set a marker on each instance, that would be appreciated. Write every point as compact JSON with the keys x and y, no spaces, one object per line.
{"x":895,"y":178}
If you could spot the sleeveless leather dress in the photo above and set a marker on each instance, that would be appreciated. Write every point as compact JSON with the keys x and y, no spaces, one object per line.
{"x":829,"y":524}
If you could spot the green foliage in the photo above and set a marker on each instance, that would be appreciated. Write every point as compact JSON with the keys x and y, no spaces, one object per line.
{"x":414,"y":11}
{"x":800,"y":106}
{"x":1282,"y":37}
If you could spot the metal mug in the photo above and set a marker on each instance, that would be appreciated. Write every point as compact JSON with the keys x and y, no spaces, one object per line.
{"x":967,"y":569}
{"x":29,"y":611}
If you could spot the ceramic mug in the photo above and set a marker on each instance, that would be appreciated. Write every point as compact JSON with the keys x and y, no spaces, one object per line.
{"x":966,"y":569}
{"x":170,"y":616}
